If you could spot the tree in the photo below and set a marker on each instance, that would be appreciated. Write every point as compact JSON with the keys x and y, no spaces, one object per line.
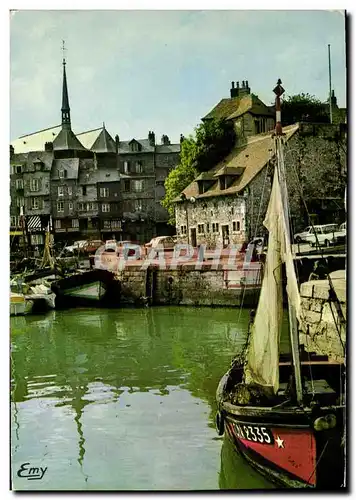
{"x":213,"y":141}
{"x":303,"y":107}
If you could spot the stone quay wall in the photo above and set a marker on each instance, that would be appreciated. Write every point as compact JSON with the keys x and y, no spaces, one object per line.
{"x":322,"y":327}
{"x":184,"y":286}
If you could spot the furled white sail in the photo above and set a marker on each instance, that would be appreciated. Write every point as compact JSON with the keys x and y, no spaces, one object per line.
{"x":263,"y":353}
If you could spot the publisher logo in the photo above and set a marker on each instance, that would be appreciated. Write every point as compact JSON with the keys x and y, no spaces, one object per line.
{"x":28,"y":472}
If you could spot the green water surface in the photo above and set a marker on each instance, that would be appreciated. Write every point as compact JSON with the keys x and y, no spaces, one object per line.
{"x":124,"y":399}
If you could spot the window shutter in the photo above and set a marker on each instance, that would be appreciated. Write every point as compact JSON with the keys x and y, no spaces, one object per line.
{"x":39,"y":184}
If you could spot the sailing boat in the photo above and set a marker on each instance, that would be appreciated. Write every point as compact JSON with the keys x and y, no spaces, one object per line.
{"x":286,"y":416}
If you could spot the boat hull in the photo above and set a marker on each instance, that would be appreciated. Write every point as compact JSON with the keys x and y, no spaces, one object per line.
{"x":295,"y":455}
{"x":93,"y":288}
{"x":291,"y":445}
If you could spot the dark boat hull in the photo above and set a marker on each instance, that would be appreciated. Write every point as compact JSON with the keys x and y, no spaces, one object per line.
{"x":93,"y":288}
{"x":281,"y":442}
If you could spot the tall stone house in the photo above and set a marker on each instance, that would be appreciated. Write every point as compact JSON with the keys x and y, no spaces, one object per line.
{"x":88,"y":185}
{"x":227,"y":204}
{"x":248,"y":113}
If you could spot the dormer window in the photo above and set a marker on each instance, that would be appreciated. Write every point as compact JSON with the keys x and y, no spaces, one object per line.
{"x":62,"y":173}
{"x":135,"y":146}
{"x":38,"y":165}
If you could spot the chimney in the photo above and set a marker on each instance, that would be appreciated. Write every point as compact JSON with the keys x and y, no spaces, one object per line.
{"x":12,"y":151}
{"x":117,"y":142}
{"x":151,"y":138}
{"x":234,"y":92}
{"x":49,"y":146}
{"x":245,"y":89}
{"x":165,"y":140}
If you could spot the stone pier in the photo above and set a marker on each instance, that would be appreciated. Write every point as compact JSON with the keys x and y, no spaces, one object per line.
{"x":322,"y":327}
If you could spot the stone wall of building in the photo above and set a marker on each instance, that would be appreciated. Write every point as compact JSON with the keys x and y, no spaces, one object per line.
{"x":321,"y":327}
{"x":208,"y":217}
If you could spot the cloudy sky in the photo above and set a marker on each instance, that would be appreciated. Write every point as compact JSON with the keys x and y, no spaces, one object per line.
{"x":163,"y":70}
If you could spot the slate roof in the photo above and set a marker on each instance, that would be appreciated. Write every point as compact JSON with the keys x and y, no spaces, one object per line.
{"x":87,"y":174}
{"x":168,"y":148}
{"x":248,"y":159}
{"x":237,"y":106}
{"x":66,"y":140}
{"x":69,"y":164}
{"x":104,"y":143}
{"x":124,"y":146}
{"x":28,"y":159}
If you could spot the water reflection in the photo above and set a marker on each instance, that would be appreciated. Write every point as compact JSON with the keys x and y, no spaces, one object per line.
{"x":237,"y":474}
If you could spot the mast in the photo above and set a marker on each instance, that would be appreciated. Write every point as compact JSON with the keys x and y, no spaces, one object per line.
{"x":293,"y":325}
{"x":330,"y":103}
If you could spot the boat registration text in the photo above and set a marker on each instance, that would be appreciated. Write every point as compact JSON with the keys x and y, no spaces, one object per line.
{"x":254,"y":433}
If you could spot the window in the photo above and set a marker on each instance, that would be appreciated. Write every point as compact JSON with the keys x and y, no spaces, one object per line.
{"x":20,"y":201}
{"x":19,"y":184}
{"x":107,"y":224}
{"x":105,"y":207}
{"x":135,"y":146}
{"x":104,"y":192}
{"x":70,"y":206}
{"x":13,"y":220}
{"x":35,"y":203}
{"x":18,"y":169}
{"x":62,"y":173}
{"x":138,"y":205}
{"x":138,"y":186}
{"x":81,"y":207}
{"x":84,"y":190}
{"x":183,"y":229}
{"x":60,"y":190}
{"x":126,"y":167}
{"x":60,"y":206}
{"x":236,"y":225}
{"x":127,"y":186}
{"x":34,"y":185}
{"x":116,"y":224}
{"x":37,"y":165}
{"x":75,"y":223}
{"x":70,"y":190}
{"x":92,"y":206}
{"x":37,"y":239}
{"x":200,"y":228}
{"x":215,"y":227}
{"x":139,"y":167}
{"x":207,"y":227}
{"x":57,"y":224}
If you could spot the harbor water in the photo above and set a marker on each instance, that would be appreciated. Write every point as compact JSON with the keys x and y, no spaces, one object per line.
{"x":124,"y":399}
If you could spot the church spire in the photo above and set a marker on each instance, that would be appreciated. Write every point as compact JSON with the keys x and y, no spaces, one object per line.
{"x":65,"y":100}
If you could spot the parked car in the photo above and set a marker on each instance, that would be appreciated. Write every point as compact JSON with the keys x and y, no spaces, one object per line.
{"x":299,"y":237}
{"x":91,"y":246}
{"x":341,"y":234}
{"x":326,"y":234}
{"x":75,"y":248}
{"x":167,"y":242}
{"x":119,"y":246}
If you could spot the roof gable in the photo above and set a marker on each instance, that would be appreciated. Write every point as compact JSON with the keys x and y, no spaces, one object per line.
{"x":247,"y":161}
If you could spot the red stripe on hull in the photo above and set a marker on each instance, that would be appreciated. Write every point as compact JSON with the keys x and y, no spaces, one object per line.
{"x":293,"y":450}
